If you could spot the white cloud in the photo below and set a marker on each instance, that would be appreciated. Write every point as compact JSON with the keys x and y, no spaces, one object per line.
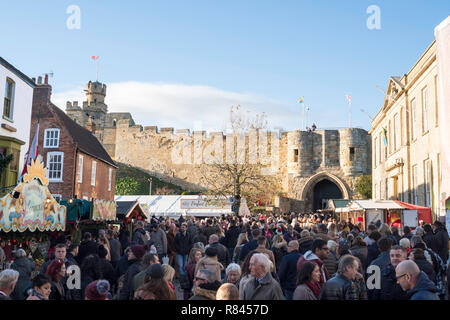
{"x":184,"y":106}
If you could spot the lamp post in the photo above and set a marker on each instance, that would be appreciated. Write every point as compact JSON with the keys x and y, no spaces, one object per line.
{"x":150,"y":190}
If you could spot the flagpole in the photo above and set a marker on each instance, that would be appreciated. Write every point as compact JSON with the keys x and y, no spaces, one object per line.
{"x":350,"y":112}
{"x":97,"y":69}
{"x":303,"y":117}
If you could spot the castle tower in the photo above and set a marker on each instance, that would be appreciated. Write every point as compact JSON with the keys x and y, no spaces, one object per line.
{"x":95,"y":94}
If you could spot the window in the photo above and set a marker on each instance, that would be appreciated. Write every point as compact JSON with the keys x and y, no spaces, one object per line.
{"x":436,"y":99}
{"x":425,"y":109}
{"x":414,"y":183}
{"x":110,"y":179}
{"x":390,"y":136}
{"x":51,"y":138}
{"x":352,"y":153}
{"x":94,"y":173}
{"x":381,"y":148}
{"x":80,"y":168}
{"x":427,"y":174}
{"x":55,"y":162}
{"x":8,"y":104}
{"x":375,"y":154}
{"x":386,"y":189}
{"x":295,"y":155}
{"x":57,"y":197}
{"x":396,"y":132}
{"x":413,"y":120}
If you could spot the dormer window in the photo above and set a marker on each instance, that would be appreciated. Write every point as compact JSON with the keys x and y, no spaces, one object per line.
{"x":51,"y":139}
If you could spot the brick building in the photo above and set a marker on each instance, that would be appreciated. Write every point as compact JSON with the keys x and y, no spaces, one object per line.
{"x":77,"y":164}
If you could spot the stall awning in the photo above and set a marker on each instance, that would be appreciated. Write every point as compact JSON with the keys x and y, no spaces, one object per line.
{"x":424,"y":213}
{"x":175,"y":206}
{"x":374,"y":204}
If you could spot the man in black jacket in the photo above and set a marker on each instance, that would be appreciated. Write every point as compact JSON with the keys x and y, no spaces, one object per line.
{"x":441,"y":238}
{"x":231,"y":236}
{"x":87,"y":247}
{"x":252,"y":245}
{"x":288,"y":270}
{"x":183,"y":244}
{"x":222,"y":252}
{"x":139,"y":236}
{"x":390,"y":289}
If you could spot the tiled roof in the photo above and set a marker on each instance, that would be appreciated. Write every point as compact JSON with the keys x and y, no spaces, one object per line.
{"x":84,"y":138}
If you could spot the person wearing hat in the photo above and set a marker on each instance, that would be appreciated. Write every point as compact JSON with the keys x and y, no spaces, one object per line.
{"x":210,"y":262}
{"x":155,"y":286}
{"x":135,"y":255}
{"x":97,"y":290}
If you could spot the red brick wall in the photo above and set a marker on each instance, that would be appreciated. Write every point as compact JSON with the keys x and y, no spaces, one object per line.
{"x":41,"y":99}
{"x":100,"y":191}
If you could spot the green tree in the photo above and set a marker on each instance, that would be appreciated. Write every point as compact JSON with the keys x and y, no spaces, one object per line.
{"x":363,"y":186}
{"x":127,"y":186}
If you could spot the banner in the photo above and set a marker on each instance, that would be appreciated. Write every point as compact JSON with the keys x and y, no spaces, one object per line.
{"x":31,"y":206}
{"x":104,"y":210}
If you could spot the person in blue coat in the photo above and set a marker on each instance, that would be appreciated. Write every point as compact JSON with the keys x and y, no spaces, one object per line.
{"x":288,"y":270}
{"x":415,"y":282}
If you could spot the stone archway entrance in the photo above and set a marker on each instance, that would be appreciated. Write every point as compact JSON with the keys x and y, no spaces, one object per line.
{"x":323,"y":191}
{"x":320,"y":187}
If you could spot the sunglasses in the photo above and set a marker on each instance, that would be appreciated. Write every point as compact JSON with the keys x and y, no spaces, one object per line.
{"x":199,"y":279}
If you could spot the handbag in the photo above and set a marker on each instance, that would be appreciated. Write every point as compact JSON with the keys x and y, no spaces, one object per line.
{"x":185,"y":282}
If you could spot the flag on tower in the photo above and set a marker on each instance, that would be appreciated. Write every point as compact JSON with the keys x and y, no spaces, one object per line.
{"x":301,"y":100}
{"x":95,"y":57}
{"x":349,"y":98}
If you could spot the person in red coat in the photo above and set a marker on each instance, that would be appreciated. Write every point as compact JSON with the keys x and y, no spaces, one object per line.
{"x":318,"y":253}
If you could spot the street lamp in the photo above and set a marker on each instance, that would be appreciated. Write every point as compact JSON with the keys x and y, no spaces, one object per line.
{"x":150,"y":190}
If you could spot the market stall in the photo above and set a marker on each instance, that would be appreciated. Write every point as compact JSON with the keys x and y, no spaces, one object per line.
{"x":29,"y":213}
{"x":128,"y":213}
{"x":367,"y":211}
{"x":180,"y":205}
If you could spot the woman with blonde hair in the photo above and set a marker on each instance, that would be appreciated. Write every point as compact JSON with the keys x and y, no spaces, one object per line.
{"x":169,"y":273}
{"x":279,"y":249}
{"x":242,"y":239}
{"x":194,"y":257}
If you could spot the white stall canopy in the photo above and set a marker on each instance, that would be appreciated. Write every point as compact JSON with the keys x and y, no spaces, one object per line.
{"x":179,"y":205}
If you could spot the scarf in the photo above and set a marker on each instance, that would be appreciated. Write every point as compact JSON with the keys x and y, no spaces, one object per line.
{"x":314,"y":287}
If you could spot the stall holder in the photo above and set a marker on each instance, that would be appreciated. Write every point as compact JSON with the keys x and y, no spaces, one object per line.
{"x":29,"y":211}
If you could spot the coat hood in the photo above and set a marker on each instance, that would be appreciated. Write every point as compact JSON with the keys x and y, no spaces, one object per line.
{"x":424,"y":284}
{"x":209,"y":294}
{"x":309,"y":255}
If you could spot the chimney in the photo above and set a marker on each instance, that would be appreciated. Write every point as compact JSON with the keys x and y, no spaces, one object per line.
{"x":34,"y":80}
{"x":46,"y":79}
{"x":39,"y":80}
{"x":90,"y":125}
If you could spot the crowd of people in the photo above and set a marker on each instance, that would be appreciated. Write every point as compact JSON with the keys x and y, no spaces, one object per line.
{"x":278,"y":257}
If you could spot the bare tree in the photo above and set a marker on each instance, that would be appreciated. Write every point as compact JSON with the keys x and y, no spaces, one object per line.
{"x":240,"y":177}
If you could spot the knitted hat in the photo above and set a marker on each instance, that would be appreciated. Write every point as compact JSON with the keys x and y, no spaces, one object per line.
{"x":97,"y":290}
{"x":155,"y":271}
{"x":138,"y":251}
{"x":344,"y":244}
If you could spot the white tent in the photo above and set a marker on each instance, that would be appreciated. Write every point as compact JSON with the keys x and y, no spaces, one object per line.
{"x":178,"y":205}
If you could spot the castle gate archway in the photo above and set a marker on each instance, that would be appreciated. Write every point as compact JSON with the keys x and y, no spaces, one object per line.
{"x":323,"y":186}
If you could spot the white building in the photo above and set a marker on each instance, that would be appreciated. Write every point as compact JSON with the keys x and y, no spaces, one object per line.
{"x":16,"y":99}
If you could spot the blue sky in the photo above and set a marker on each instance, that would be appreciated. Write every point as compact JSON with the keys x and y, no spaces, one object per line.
{"x":175,"y":63}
